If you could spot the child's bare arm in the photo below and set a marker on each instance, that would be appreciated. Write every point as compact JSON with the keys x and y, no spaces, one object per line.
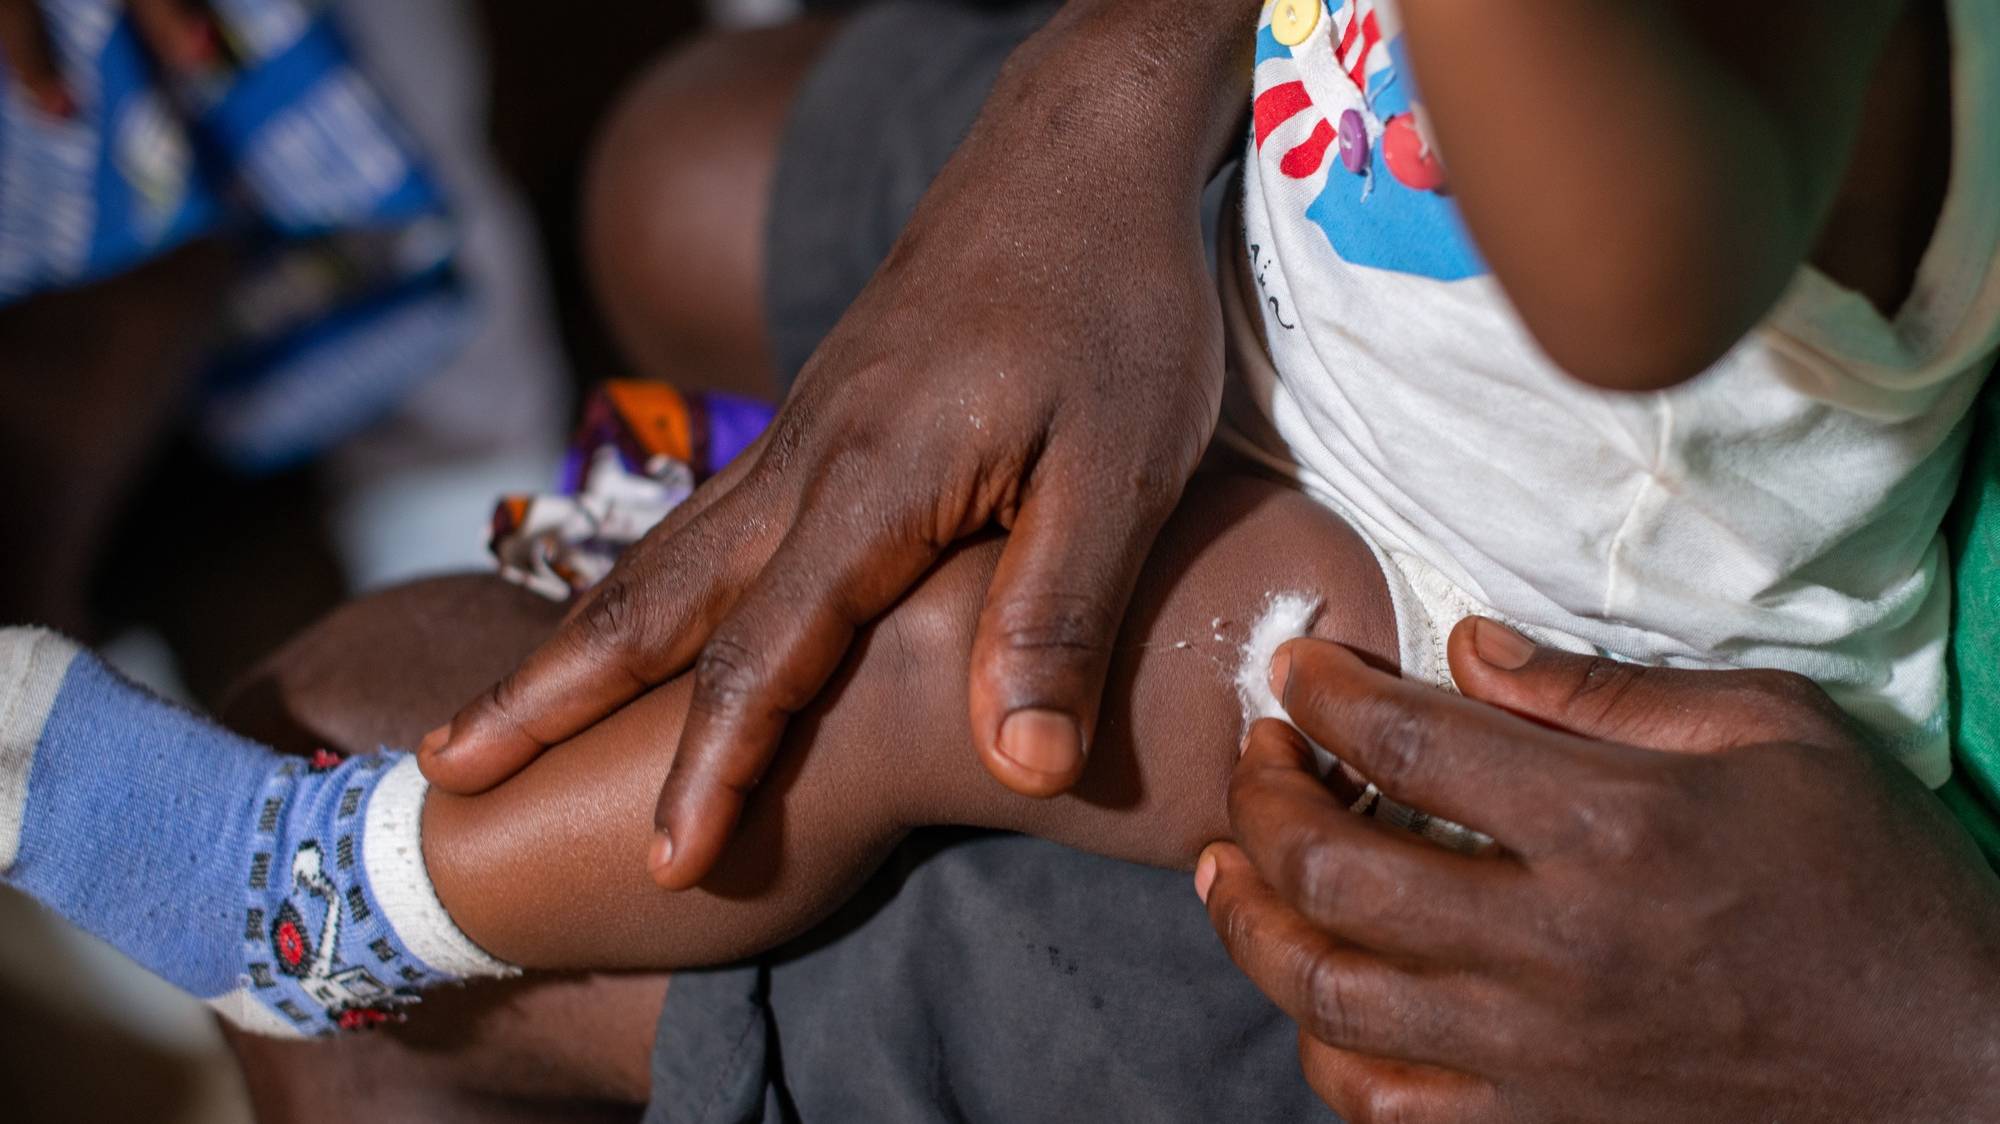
{"x":548,"y":870}
{"x":1645,"y":176}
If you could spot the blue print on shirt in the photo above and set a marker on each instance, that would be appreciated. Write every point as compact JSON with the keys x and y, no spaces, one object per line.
{"x":1376,"y":221}
{"x":1268,"y":46}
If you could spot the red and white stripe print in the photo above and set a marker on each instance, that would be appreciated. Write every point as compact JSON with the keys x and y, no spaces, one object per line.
{"x":1357,"y":33}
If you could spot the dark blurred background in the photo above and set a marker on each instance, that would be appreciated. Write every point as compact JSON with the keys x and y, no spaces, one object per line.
{"x":194,"y":570}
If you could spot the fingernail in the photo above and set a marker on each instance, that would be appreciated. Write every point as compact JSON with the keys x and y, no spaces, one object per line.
{"x":434,"y":741}
{"x":1042,"y":741}
{"x":1281,"y":671}
{"x":1501,"y":646}
{"x":1204,"y":874}
{"x":662,"y":855}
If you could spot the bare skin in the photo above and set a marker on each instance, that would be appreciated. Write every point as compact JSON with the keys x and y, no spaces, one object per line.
{"x":1878,"y":225}
{"x":674,"y":208}
{"x":384,"y":670}
{"x":1734,"y":910}
{"x":1664,"y":167}
{"x":540,"y":870}
{"x":779,"y":570}
{"x":554,"y":1049}
{"x":545,"y":1048}
{"x":1036,"y":255}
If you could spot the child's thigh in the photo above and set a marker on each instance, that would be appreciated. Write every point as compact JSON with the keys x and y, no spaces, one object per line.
{"x":547,"y":869}
{"x":1171,"y":722}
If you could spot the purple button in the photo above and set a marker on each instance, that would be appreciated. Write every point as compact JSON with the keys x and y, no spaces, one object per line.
{"x":1353,"y":142}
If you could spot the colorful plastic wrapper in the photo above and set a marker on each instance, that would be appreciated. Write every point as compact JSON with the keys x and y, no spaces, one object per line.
{"x":347,"y":294}
{"x":638,"y":452}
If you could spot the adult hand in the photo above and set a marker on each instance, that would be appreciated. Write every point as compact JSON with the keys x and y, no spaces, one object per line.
{"x":1729,"y":910}
{"x":180,"y":33}
{"x":1041,"y":352}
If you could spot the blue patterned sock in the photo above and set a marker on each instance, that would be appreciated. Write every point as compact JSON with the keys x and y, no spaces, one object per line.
{"x":289,"y":894}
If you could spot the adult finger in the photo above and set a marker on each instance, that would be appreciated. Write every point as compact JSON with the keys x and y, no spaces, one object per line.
{"x":643,"y":624}
{"x":496,"y":734}
{"x":766,"y":660}
{"x":1339,"y":994}
{"x":1433,"y":750}
{"x":1052,"y":615}
{"x":24,"y":45}
{"x":1368,"y":1090}
{"x":1660,"y":708}
{"x":1358,"y":880}
{"x":179,"y":32}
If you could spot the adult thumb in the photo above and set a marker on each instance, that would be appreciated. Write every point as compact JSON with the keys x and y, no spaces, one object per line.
{"x":1664,"y":708}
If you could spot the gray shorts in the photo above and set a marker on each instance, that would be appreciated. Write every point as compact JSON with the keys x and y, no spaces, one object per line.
{"x":978,"y":976}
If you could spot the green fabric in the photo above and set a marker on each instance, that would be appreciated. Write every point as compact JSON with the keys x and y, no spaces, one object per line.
{"x":1976,"y":815}
{"x":1974,"y":794}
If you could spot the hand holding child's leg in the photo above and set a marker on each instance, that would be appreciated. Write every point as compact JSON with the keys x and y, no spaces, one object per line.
{"x":547,"y":870}
{"x":302,"y":896}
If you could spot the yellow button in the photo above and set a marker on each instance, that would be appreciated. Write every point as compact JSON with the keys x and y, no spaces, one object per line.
{"x":1294,"y":20}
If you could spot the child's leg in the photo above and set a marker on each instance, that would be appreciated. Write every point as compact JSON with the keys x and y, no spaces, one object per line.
{"x":300,"y":898}
{"x":131,"y":817}
{"x":382,"y":671}
{"x":287,"y":892}
{"x":547,"y":870}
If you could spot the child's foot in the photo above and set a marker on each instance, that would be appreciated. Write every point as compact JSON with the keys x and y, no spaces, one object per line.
{"x":291,"y":895}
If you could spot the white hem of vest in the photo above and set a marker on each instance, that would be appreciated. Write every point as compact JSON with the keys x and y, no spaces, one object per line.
{"x":33,"y":662}
{"x":392,"y":853}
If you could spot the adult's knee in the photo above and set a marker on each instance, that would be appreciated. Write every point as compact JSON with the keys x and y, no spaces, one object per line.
{"x":676,"y":200}
{"x":386,"y":668}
